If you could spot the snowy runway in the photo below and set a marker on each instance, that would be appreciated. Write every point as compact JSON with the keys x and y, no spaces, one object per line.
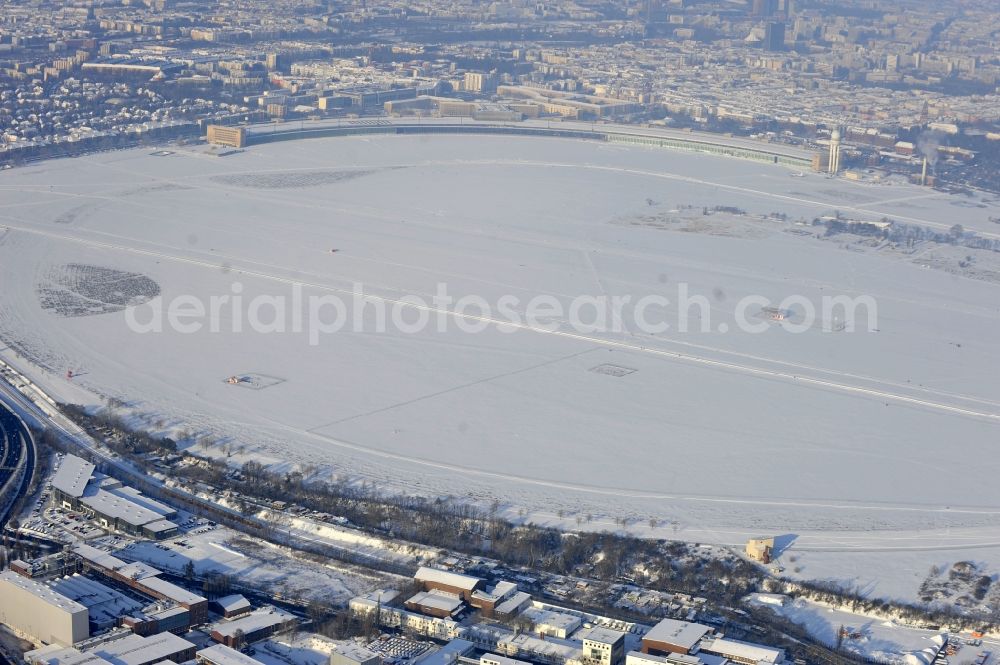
{"x":710,"y":432}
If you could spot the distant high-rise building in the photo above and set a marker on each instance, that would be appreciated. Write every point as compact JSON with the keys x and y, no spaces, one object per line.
{"x":774,"y":36}
{"x":479,"y":82}
{"x":277,"y":62}
{"x":764,"y":8}
{"x":235,"y":137}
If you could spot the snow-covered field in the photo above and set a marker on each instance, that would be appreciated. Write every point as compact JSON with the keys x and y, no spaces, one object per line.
{"x":858,"y":442}
{"x":259,"y":565}
{"x":879,"y":640}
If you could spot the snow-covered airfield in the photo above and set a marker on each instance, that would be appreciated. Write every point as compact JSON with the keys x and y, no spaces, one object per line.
{"x":879,"y":444}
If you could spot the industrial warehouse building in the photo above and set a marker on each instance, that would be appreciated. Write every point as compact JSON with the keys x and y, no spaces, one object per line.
{"x":104,"y":604}
{"x":144,"y":579}
{"x":257,"y":625}
{"x":232,"y":606}
{"x":39,"y":613}
{"x":670,"y":636}
{"x":453,"y":653}
{"x":434,"y":579}
{"x":76,"y":486}
{"x":439,"y":604}
{"x":172,"y":619}
{"x":743,"y":653}
{"x":513,"y":606}
{"x":138,"y":650}
{"x":487,"y":600}
{"x":354,"y":654}
{"x":639,"y":658}
{"x":220,"y":654}
{"x":128,"y":650}
{"x":496,"y":659}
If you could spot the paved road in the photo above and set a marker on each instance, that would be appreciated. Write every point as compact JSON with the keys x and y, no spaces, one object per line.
{"x":16,"y":447}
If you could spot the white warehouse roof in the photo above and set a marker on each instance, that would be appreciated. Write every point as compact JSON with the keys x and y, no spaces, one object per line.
{"x":171,"y":591}
{"x":73,"y":475}
{"x":457,"y":580}
{"x":54,"y":654}
{"x":743,"y":650}
{"x":41,"y":591}
{"x":678,"y":633}
{"x":135,"y":649}
{"x":233,"y":603}
{"x":256,"y":620}
{"x":220,"y":654}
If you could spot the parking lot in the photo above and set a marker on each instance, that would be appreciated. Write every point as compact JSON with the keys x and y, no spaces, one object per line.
{"x":56,"y":523}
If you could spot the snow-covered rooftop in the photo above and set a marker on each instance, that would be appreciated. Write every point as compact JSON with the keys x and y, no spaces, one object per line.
{"x":438,"y":576}
{"x":41,"y":591}
{"x":679,"y":633}
{"x":138,"y":650}
{"x":73,"y":475}
{"x":220,"y":654}
{"x":258,"y":619}
{"x":743,"y":650}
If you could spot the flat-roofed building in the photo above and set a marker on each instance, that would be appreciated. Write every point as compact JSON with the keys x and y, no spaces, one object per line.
{"x":105,"y":606}
{"x":549,"y":650}
{"x":639,"y":658}
{"x":513,"y":606}
{"x":76,"y":486}
{"x":258,"y":625}
{"x":175,"y":620}
{"x":139,"y":650}
{"x":455,"y":108}
{"x":477,"y":82}
{"x":449,"y":654}
{"x":99,"y":560}
{"x":549,"y":623}
{"x":602,"y":646}
{"x":220,"y":654}
{"x":374,"y":603}
{"x":744,"y":653}
{"x":673,"y":636}
{"x":128,"y":650}
{"x":443,"y":580}
{"x":497,"y":659}
{"x":487,"y":600}
{"x":54,"y":654}
{"x":234,"y":137}
{"x":352,"y":654}
{"x":39,"y":613}
{"x":145,"y":579}
{"x":439,"y":604}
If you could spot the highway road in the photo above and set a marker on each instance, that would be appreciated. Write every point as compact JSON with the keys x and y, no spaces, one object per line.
{"x":17,"y":459}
